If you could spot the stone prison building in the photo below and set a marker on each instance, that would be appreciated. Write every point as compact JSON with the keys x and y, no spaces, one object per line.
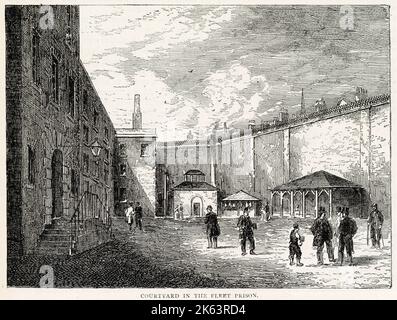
{"x":69,"y":170}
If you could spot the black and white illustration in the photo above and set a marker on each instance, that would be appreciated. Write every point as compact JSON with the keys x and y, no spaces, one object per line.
{"x":198,"y":146}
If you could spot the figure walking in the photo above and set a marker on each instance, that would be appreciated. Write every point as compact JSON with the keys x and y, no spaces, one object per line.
{"x":246,"y":232}
{"x":375,"y":222}
{"x":295,"y":242}
{"x":129,"y":213}
{"x":347,"y":230}
{"x":322,"y":232}
{"x":138,"y":216}
{"x":213,"y":230}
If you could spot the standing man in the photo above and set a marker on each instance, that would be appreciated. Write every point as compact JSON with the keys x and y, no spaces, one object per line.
{"x":181,"y":210}
{"x":347,"y":230}
{"x":129,"y":213}
{"x":246,"y":232}
{"x":375,"y":222}
{"x":138,"y":215}
{"x":213,"y":230}
{"x":267,"y":211}
{"x":322,"y":232}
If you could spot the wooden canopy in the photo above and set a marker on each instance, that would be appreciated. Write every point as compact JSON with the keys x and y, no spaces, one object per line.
{"x":316,"y":183}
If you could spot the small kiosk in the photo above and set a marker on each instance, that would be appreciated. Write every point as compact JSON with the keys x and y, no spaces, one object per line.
{"x":233,"y":205}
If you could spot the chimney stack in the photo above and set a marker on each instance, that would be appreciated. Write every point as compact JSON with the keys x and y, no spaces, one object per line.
{"x":137,"y":115}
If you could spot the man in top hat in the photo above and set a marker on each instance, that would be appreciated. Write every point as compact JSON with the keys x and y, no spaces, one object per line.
{"x":347,"y":230}
{"x":246,"y":232}
{"x":322,"y":232}
{"x":375,"y":222}
{"x":213,"y":230}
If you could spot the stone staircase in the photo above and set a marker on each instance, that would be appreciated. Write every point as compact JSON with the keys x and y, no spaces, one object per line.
{"x":55,"y":239}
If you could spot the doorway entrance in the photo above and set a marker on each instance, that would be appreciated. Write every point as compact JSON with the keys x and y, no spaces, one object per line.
{"x":57,"y":183}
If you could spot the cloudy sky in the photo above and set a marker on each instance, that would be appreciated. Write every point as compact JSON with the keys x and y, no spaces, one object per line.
{"x":195,"y":66}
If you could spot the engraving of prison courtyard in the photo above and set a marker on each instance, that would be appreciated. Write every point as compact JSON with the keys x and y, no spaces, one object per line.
{"x":198,"y":146}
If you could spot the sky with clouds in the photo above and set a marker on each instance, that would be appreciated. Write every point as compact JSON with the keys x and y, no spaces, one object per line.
{"x":195,"y":66}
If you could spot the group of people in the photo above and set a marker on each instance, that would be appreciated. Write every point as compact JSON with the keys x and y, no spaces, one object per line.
{"x":132,"y":214}
{"x":338,"y":231}
{"x":244,"y":225}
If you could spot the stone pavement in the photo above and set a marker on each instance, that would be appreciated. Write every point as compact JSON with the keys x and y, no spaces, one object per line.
{"x":182,"y":245}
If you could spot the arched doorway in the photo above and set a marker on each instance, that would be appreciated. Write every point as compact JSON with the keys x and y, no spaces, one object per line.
{"x":197,"y":207}
{"x":57,"y":183}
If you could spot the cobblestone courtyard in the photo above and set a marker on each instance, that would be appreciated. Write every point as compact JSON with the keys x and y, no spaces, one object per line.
{"x":174,"y":254}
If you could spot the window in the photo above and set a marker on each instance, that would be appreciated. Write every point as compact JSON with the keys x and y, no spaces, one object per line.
{"x":123,"y":169}
{"x":96,"y":118}
{"x":123,"y":150}
{"x":96,"y":168}
{"x":71,"y":96}
{"x":55,"y":79}
{"x":123,"y":194}
{"x":106,"y":154}
{"x":86,"y":134}
{"x":144,"y":147}
{"x":36,"y":58}
{"x":106,"y":174}
{"x":31,"y":169}
{"x":86,"y":163}
{"x":74,"y":182}
{"x":106,"y":133}
{"x":85,"y":101}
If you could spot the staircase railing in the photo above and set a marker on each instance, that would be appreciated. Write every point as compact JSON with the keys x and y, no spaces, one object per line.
{"x":89,"y":210}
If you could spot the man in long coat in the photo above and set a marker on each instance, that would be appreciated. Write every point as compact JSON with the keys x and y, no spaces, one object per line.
{"x":375,"y":222}
{"x":213,"y":231}
{"x":246,"y":232}
{"x":347,"y":230}
{"x":322,"y":232}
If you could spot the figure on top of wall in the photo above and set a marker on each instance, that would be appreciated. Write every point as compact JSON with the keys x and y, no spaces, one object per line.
{"x":213,"y":229}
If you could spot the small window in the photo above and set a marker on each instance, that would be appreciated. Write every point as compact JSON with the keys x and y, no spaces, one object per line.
{"x":123,"y":150}
{"x":74,"y":182}
{"x":106,"y":133}
{"x":106,"y":174}
{"x":96,"y":118}
{"x":55,"y":79}
{"x":123,"y":194}
{"x":36,"y":58}
{"x":123,"y":169}
{"x":106,"y":154}
{"x":96,"y":168}
{"x":144,"y":149}
{"x":72,"y":97}
{"x":86,"y":134}
{"x":86,"y":163}
{"x":85,"y":101}
{"x":31,"y":165}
